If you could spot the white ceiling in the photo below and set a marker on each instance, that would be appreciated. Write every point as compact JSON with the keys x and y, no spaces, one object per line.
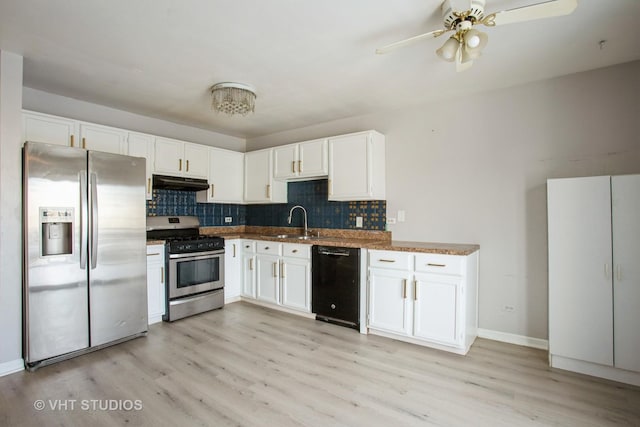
{"x":310,"y":61}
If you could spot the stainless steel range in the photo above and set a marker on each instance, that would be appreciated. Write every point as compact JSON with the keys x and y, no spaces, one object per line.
{"x":195,"y":265}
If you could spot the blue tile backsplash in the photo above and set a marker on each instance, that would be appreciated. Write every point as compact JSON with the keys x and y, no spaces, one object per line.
{"x":310,"y":194}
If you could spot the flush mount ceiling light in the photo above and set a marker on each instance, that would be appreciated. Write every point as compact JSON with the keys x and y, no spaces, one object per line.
{"x":233,"y":98}
{"x":466,"y":43}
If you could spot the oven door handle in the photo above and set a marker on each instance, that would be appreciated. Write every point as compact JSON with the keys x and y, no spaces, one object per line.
{"x":196,"y":255}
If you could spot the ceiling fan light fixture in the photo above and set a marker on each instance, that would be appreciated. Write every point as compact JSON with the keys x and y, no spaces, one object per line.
{"x":233,"y":98}
{"x":449,"y":49}
{"x":475,"y":40}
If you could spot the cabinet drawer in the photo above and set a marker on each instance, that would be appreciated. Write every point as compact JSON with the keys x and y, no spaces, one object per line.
{"x":155,"y":253}
{"x":271,"y":248}
{"x":248,"y":246}
{"x":296,"y":250}
{"x":442,"y":264}
{"x":390,"y":259}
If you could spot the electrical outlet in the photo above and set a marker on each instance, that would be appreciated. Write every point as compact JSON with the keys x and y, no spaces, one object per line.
{"x":391,"y":221}
{"x":228,"y":219}
{"x":358,"y":222}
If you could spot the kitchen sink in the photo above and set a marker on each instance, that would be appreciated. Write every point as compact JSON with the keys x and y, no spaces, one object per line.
{"x":294,"y":236}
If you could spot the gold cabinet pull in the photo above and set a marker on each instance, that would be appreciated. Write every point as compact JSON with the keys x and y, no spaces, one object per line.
{"x":148,"y":185}
{"x":282,"y":270}
{"x":436,"y":265}
{"x":154,"y":254}
{"x":415,"y":290}
{"x":404,"y":289}
{"x":212,"y":190}
{"x":84,"y":142}
{"x":72,"y":140}
{"x":387,"y":260}
{"x":234,"y":250}
{"x":300,"y":166}
{"x":250,"y":263}
{"x":268,"y":191}
{"x":275,"y":271}
{"x":187,"y":165}
{"x":179,"y":164}
{"x":330,"y":185}
{"x":293,"y":166}
{"x":161,"y":274}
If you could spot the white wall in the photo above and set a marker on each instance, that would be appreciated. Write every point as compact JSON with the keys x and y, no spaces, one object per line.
{"x":474,"y":171}
{"x":10,"y":212}
{"x":45,"y":102}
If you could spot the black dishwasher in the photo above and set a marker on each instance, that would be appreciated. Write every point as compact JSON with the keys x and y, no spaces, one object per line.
{"x":335,"y":290}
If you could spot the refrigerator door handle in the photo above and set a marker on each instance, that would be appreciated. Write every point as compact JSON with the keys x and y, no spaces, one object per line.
{"x":83,"y":219}
{"x":94,"y":222}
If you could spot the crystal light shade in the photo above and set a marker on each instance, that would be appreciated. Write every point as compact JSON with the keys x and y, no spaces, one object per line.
{"x":233,"y":98}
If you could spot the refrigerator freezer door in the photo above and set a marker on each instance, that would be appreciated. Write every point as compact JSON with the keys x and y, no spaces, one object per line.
{"x":117,"y":267}
{"x":55,"y":284}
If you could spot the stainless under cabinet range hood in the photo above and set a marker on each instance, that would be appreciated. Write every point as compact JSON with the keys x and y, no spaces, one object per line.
{"x":164,"y":182}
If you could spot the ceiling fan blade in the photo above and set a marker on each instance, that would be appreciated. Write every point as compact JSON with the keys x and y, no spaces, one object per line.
{"x":405,"y":42}
{"x":547,"y":9}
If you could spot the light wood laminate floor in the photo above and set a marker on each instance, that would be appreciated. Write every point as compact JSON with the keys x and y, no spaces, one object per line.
{"x":246,"y":365}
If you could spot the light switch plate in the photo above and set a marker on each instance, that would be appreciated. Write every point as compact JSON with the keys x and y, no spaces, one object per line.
{"x":358,"y":222}
{"x":400,"y":216}
{"x":391,"y":221}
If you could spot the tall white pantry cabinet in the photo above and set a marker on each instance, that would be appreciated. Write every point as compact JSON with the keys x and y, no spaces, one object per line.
{"x":594,"y":276}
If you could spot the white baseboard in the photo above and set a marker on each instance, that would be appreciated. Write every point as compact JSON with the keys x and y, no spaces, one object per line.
{"x":229,"y":300}
{"x":514,"y":339}
{"x":10,"y":367}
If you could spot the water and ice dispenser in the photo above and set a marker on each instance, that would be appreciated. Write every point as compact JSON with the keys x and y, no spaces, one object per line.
{"x":56,"y":225}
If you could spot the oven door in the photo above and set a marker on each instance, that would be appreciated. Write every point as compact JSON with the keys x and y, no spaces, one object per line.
{"x":195,"y":273}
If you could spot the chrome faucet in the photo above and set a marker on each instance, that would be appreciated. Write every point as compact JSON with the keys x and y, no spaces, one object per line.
{"x":306,"y":230}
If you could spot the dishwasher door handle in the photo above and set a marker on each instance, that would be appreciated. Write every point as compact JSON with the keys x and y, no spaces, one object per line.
{"x":333,"y":253}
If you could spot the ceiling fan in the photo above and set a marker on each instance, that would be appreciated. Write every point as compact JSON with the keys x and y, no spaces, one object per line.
{"x":466,"y":43}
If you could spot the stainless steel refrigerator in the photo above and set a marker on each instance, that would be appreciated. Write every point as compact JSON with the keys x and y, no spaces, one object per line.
{"x":84,"y":224}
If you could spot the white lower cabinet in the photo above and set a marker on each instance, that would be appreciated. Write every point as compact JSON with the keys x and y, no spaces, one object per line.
{"x":427,"y":299}
{"x":277,"y":274}
{"x":232,"y":270}
{"x":155,"y":283}
{"x":248,"y":253}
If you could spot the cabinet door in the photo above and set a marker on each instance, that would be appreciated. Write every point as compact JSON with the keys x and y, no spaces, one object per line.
{"x":103,"y":138}
{"x":626,"y":247}
{"x":232,"y":269}
{"x":226,"y":176}
{"x":268,"y":278}
{"x":313,"y":158}
{"x":155,"y":283}
{"x":141,"y":145}
{"x":389,"y":306}
{"x":49,"y":129}
{"x":349,"y":172}
{"x":196,"y":160}
{"x":249,"y":275}
{"x":285,"y":164}
{"x":168,"y":157}
{"x":257,"y":169}
{"x":296,"y":283}
{"x":436,"y":300}
{"x":580,"y":271}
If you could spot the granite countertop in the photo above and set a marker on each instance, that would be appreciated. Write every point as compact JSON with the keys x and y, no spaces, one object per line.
{"x":379,"y":240}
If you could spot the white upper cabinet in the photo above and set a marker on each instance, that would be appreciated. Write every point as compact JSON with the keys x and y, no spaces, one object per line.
{"x":49,"y":129}
{"x":357,"y":166}
{"x":226,"y":177}
{"x":301,"y":161}
{"x":179,"y":158}
{"x":142,"y":145}
{"x":103,"y":138}
{"x":259,"y":185}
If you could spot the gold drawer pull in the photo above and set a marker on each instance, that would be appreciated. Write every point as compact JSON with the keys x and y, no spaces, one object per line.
{"x":187,"y":165}
{"x":436,"y":265}
{"x":149,"y":185}
{"x":72,"y":140}
{"x":404,"y":289}
{"x":300,"y":166}
{"x":212,"y":190}
{"x":179,"y":164}
{"x":154,"y":254}
{"x":161,"y":274}
{"x":84,"y":143}
{"x":415,"y":290}
{"x":293,"y":166}
{"x":387,"y":260}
